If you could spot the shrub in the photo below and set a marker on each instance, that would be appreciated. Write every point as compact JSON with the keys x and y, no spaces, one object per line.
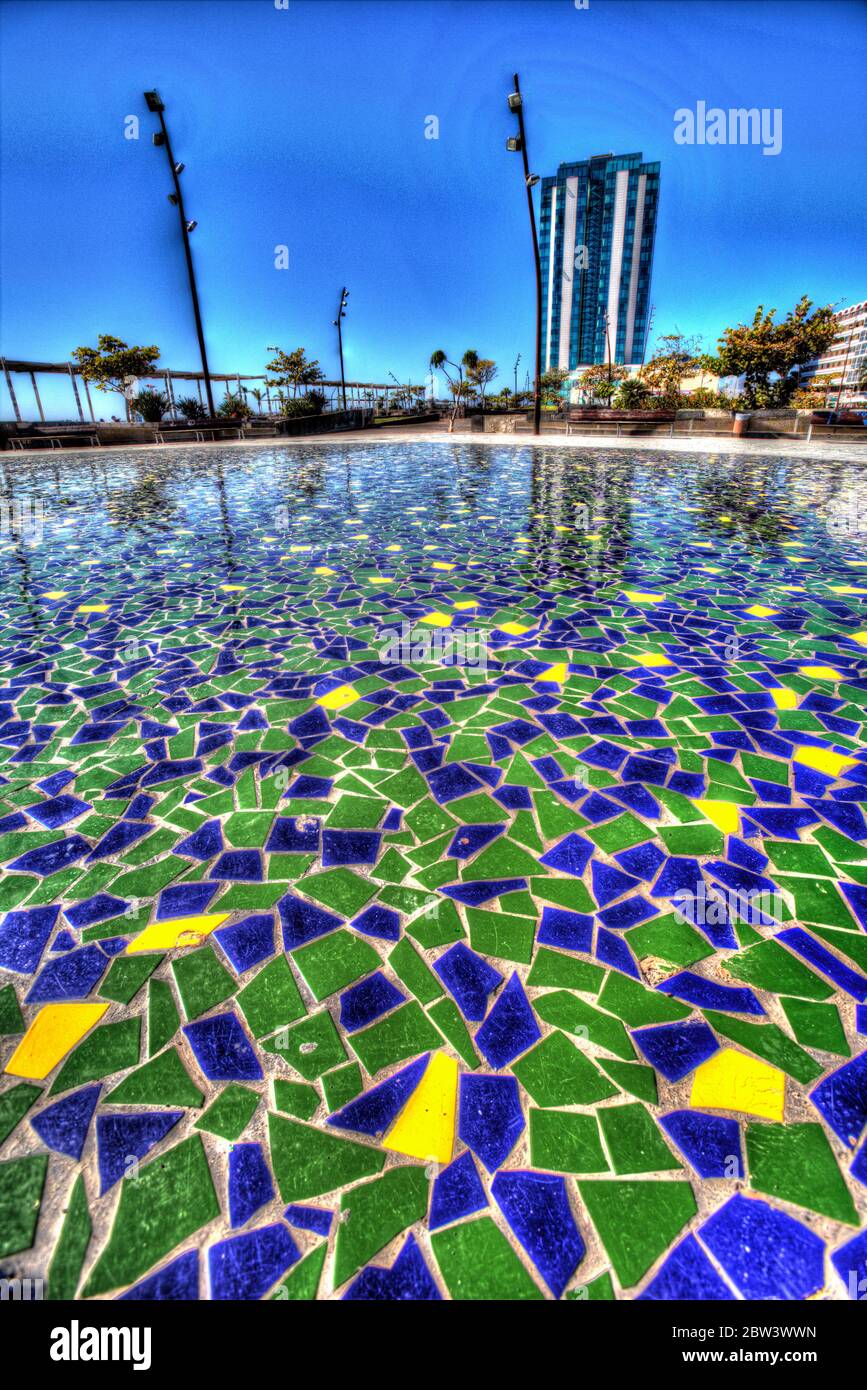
{"x":191,"y":408}
{"x":234,"y":405}
{"x":150,"y":405}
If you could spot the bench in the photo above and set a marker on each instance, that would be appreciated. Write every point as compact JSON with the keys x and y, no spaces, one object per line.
{"x":199,"y":434}
{"x":52,"y":441}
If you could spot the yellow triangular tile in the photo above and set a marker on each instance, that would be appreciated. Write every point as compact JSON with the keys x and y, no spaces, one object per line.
{"x":556,"y":674}
{"x":180,"y":931}
{"x":758,"y":610}
{"x":731,"y":1080}
{"x":651,"y":659}
{"x":437,"y":619}
{"x":425,"y":1128}
{"x":723,"y":814}
{"x":337,"y":698}
{"x":636,"y":596}
{"x":54,"y":1030}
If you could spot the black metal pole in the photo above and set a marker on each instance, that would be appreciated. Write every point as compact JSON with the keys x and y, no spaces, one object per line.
{"x":537,"y":390}
{"x":189,"y":255}
{"x":340,"y":343}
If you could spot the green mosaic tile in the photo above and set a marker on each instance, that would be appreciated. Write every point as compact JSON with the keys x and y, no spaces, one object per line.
{"x":295,"y":1098}
{"x":21,"y":1184}
{"x":373,"y":1213}
{"x":171,"y":1198}
{"x":816,"y":1025}
{"x":271,"y":999}
{"x":566,"y":1143}
{"x":634,"y":1143}
{"x":163,"y":1018}
{"x":67,"y":1261}
{"x":478,"y":1263}
{"x":230,"y":1113}
{"x":312,"y":1046}
{"x":796,"y":1162}
{"x":637,"y":1221}
{"x":308,"y":1162}
{"x":556,"y":1072}
{"x":162,"y":1081}
{"x":335,"y":961}
{"x":202,"y":981}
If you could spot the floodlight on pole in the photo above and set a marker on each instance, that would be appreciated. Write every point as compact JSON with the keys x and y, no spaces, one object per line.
{"x":161,"y":137}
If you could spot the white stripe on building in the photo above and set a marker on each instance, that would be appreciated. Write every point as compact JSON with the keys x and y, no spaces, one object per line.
{"x":551,"y":277}
{"x":636,"y":265}
{"x":621,"y":190}
{"x":567,"y":283}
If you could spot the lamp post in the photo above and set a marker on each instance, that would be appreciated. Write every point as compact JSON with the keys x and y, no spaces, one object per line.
{"x":517,"y":362}
{"x":341,"y":314}
{"x":161,"y":137}
{"x":518,"y":144}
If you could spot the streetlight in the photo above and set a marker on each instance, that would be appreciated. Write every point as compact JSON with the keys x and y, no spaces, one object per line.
{"x":161,"y":137}
{"x":518,"y":145}
{"x":341,"y":314}
{"x":517,"y":363}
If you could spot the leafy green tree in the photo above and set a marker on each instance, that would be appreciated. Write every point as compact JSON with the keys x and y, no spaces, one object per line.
{"x":676,"y":358}
{"x":480,"y":374}
{"x":769,"y":354}
{"x":551,"y":385}
{"x":113,"y":363}
{"x":294,"y":369}
{"x":598,"y":382}
{"x":439,"y":362}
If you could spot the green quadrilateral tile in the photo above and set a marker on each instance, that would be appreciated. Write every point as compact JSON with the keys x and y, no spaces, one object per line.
{"x":372,"y":1214}
{"x":556,"y":1072}
{"x":566,"y":1143}
{"x":633,"y":1140}
{"x":796,"y":1162}
{"x":230,"y":1113}
{"x":21,"y":1183}
{"x":637,"y":1221}
{"x":335,"y":961}
{"x":163,"y":1018}
{"x":816,"y":1025}
{"x":477,"y":1263}
{"x":272,"y":998}
{"x":171,"y":1198}
{"x":308,"y":1162}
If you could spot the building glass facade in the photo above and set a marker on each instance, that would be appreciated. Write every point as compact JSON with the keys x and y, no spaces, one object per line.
{"x":598,"y":223}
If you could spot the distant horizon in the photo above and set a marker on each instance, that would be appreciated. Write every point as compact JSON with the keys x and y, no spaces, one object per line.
{"x":368,"y":140}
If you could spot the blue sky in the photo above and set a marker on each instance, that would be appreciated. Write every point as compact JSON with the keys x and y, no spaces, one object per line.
{"x":305,"y":127}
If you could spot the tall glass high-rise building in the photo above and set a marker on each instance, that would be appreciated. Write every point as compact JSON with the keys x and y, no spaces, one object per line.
{"x":598,"y":229}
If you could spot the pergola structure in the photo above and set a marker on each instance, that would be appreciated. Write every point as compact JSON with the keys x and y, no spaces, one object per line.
{"x":357,"y":392}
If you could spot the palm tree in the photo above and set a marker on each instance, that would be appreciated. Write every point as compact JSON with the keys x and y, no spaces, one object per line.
{"x":258,"y":396}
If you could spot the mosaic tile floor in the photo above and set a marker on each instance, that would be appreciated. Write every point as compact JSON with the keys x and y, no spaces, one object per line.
{"x":331,"y":970}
